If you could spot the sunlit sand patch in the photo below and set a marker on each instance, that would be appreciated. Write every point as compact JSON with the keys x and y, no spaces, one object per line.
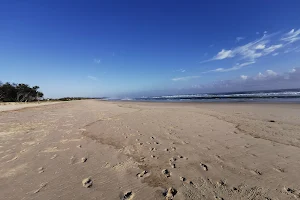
{"x":124,"y":165}
{"x":69,"y":140}
{"x":7,"y":155}
{"x":23,"y":150}
{"x":42,"y":185}
{"x":29,"y":143}
{"x":107,"y":165}
{"x":13,"y":171}
{"x":14,"y":158}
{"x":3,"y":134}
{"x":54,"y":149}
{"x":67,"y":125}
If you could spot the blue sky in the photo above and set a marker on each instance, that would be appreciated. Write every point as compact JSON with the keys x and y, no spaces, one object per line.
{"x":122,"y":48}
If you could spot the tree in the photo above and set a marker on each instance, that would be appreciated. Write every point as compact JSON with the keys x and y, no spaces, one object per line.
{"x":19,"y":92}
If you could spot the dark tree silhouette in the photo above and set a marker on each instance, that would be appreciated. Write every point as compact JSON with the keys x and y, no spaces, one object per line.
{"x":19,"y":92}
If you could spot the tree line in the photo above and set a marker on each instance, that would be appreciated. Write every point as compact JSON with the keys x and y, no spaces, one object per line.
{"x":12,"y":92}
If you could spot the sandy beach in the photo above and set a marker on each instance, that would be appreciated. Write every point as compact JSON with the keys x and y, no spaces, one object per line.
{"x":93,"y":149}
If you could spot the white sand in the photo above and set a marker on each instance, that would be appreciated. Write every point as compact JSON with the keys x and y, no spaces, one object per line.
{"x":210,"y":151}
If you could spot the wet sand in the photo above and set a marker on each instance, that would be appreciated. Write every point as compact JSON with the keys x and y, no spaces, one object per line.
{"x":127,"y":150}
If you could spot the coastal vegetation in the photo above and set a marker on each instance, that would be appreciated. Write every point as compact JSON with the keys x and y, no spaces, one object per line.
{"x":12,"y":92}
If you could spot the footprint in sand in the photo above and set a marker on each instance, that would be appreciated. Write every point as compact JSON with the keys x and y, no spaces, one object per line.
{"x":87,"y":182}
{"x":42,"y":185}
{"x":256,"y":172}
{"x":166,"y":172}
{"x":182,"y":178}
{"x":142,"y":159}
{"x":173,"y":165}
{"x":78,"y":146}
{"x":142,"y":174}
{"x":220,"y":183}
{"x":170,"y":193}
{"x":41,"y":170}
{"x":53,"y":157}
{"x":204,"y":167}
{"x":83,"y":160}
{"x":127,"y":196}
{"x":279,"y":169}
{"x":292,"y":192}
{"x":152,"y":149}
{"x":218,"y":198}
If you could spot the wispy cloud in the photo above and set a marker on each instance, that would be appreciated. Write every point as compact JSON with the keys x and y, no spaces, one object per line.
{"x":293,"y":49}
{"x":238,"y":39}
{"x":235,"y":67}
{"x":180,"y":70}
{"x":185,"y":78}
{"x":97,"y":61}
{"x":291,"y":36}
{"x":272,"y":48}
{"x":260,"y":46}
{"x":249,"y":53}
{"x":92,"y":78}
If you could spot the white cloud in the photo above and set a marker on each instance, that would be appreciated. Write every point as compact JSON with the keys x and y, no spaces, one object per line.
{"x":247,"y":52}
{"x":97,"y":61}
{"x":267,"y":75}
{"x":236,"y":67}
{"x":224,"y":54}
{"x":272,"y":48}
{"x":293,"y":70}
{"x":237,"y":39}
{"x":270,"y":73}
{"x":252,"y":51}
{"x":260,"y":46}
{"x":185,"y":78}
{"x":244,"y":77}
{"x":92,"y":78}
{"x":291,"y":36}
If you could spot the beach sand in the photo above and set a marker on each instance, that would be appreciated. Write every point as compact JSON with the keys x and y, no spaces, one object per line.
{"x":128,"y":150}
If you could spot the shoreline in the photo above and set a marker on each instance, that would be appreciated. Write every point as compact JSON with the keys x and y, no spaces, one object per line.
{"x":205,"y":102}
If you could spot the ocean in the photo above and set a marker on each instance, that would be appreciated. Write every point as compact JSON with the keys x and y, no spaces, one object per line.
{"x":287,"y":95}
